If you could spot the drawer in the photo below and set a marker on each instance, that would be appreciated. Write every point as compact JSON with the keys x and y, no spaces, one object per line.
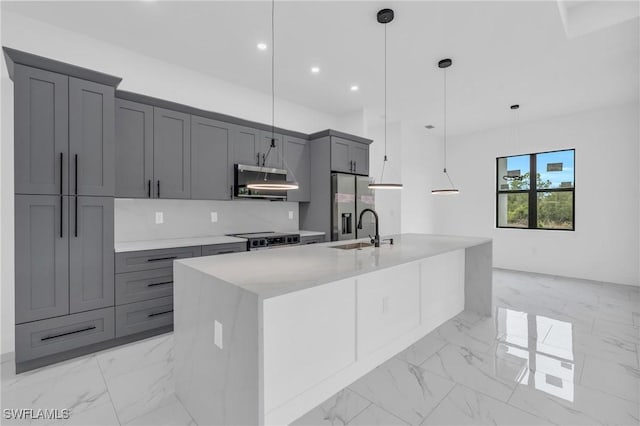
{"x":47,"y":337}
{"x":152,"y":259}
{"x":143,"y":285}
{"x":315,"y":239}
{"x":223,"y":248}
{"x":141,"y":316}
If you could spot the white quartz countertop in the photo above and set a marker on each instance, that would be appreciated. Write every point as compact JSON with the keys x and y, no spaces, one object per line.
{"x":125,"y":246}
{"x":276,"y":272}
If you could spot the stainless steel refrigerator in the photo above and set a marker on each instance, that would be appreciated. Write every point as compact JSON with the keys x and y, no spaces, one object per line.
{"x":349,"y":196}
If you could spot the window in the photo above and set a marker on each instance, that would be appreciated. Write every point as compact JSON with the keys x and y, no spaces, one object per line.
{"x":540,"y":200}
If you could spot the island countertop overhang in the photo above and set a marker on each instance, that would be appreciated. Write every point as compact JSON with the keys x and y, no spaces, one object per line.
{"x":272,"y":273}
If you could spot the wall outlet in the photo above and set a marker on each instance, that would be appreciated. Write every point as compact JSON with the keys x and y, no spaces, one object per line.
{"x":214,"y":217}
{"x":290,"y":214}
{"x":217,"y":334}
{"x":159,"y":218}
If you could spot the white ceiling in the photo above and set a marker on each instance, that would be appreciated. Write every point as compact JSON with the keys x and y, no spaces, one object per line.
{"x":503,"y":52}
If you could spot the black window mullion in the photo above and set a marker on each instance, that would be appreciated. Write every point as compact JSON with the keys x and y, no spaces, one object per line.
{"x":533,"y":194}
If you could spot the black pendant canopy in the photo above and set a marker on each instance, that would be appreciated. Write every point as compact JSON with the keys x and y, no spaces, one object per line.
{"x":444,"y":63}
{"x":385,"y":16}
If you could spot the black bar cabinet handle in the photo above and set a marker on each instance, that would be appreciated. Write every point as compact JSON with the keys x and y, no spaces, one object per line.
{"x":158,"y":188}
{"x":149,"y":188}
{"x":61,"y":172}
{"x":76,"y":160}
{"x":162,"y":258}
{"x":61,"y":216}
{"x":75,"y":230}
{"x":355,"y":167}
{"x":258,"y":159}
{"x":231,"y":192}
{"x":263,"y":159}
{"x":226,"y":251}
{"x":162,"y":283}
{"x":55,"y":336}
{"x":159,"y":313}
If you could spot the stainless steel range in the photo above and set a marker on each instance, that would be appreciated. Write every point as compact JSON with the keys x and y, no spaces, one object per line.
{"x":265,"y":240}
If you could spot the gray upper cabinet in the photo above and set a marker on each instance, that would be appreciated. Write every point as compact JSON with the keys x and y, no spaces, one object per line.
{"x":349,"y":156}
{"x":41,"y":257}
{"x":296,"y":154}
{"x":210,"y":174}
{"x":275,"y":155}
{"x":91,"y":266}
{"x":171,"y":153}
{"x":246,"y":146}
{"x":360,"y":158}
{"x":91,"y":138}
{"x":41,"y":131}
{"x":134,"y":149}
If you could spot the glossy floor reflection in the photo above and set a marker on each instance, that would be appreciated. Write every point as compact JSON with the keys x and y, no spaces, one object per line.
{"x":556,"y":351}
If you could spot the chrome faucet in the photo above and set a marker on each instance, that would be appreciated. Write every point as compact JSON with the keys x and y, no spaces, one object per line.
{"x":376,"y":240}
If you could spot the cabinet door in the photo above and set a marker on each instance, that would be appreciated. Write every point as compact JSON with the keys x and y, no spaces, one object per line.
{"x":246,"y":146}
{"x":340,"y":155}
{"x":210,"y":172}
{"x":41,"y":257}
{"x":275,"y":155}
{"x":296,"y":154}
{"x":134,"y":149}
{"x":91,"y":138}
{"x":360,"y":157}
{"x":91,"y":281}
{"x":171,"y":153}
{"x":41,"y":131}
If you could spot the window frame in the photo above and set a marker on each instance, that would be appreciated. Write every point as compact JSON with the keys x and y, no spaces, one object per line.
{"x":533,"y":192}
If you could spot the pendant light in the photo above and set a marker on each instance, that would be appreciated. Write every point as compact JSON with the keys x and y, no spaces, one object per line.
{"x":384,"y":17}
{"x":514,"y":175}
{"x":266,"y":183}
{"x":444,"y":64}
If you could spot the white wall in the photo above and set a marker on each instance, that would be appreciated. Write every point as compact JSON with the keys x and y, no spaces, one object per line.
{"x":140,"y":74}
{"x":605,"y":244}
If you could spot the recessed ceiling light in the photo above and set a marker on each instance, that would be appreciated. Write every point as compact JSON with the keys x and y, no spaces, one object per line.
{"x":429,"y":126}
{"x":354,"y":88}
{"x":315,"y":70}
{"x":262,"y":46}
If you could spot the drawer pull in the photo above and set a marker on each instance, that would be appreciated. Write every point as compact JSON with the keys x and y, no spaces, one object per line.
{"x":162,"y":283}
{"x":55,"y":336}
{"x":226,"y":251}
{"x":159,"y":313}
{"x":157,"y":259}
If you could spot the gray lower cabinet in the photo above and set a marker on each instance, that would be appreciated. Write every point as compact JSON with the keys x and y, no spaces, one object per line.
{"x":143,"y":285}
{"x":51,"y":336}
{"x":153,"y":259}
{"x":142,"y":316}
{"x":223,"y":248}
{"x":41,"y":131}
{"x":91,"y":138}
{"x":246,"y":146}
{"x":210,"y":173}
{"x":91,"y":258}
{"x":41,"y":257}
{"x":134,"y":149}
{"x":296,"y":154}
{"x":171,"y":153}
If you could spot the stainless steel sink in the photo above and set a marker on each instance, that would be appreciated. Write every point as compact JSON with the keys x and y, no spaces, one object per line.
{"x":353,"y":246}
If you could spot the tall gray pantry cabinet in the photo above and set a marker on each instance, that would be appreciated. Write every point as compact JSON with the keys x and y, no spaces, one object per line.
{"x":64,"y":188}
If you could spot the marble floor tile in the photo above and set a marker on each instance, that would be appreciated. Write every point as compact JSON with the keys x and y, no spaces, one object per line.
{"x":567,"y":403}
{"x":606,"y":347}
{"x":617,"y":379}
{"x":376,"y":416}
{"x":133,"y":356}
{"x":80,"y":389}
{"x":483,"y":372}
{"x":624,"y":332}
{"x":335,"y":411}
{"x":418,"y":353}
{"x":405,"y":390}
{"x":140,"y":392}
{"x":464,"y":406}
{"x":171,"y":412}
{"x":101,"y":415}
{"x":480,"y":336}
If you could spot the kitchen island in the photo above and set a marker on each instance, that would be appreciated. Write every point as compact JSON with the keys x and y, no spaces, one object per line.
{"x":263,"y":337}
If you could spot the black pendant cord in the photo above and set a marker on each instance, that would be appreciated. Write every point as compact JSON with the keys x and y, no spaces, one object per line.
{"x":445,"y":130}
{"x":385,"y":104}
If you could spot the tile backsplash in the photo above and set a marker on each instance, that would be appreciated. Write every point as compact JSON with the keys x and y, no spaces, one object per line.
{"x":136,"y":219}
